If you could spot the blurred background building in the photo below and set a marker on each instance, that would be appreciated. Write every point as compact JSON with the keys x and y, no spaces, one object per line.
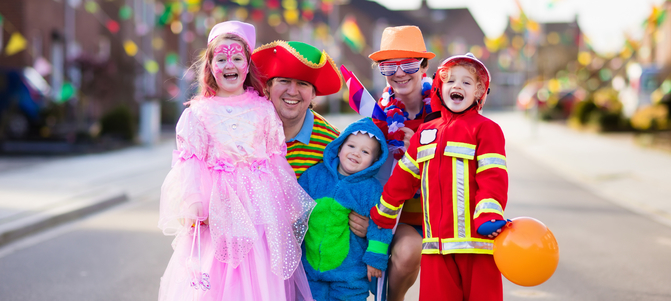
{"x":81,"y":74}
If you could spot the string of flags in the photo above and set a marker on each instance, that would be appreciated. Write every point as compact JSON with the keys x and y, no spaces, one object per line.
{"x":208,"y":13}
{"x":201,"y":14}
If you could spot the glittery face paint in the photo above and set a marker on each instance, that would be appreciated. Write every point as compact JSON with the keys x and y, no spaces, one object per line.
{"x":229,"y":67}
{"x":230,"y":56}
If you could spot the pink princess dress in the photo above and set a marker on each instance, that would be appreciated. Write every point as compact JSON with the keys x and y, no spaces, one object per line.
{"x":230,"y":159}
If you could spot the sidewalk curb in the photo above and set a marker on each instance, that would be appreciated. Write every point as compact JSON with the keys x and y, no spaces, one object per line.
{"x":74,"y":209}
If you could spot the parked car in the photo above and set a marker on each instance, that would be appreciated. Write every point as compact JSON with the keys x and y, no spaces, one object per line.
{"x":23,"y":95}
{"x":557,"y":105}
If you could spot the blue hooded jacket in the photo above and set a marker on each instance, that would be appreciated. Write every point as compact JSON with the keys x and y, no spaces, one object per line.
{"x":331,"y":252}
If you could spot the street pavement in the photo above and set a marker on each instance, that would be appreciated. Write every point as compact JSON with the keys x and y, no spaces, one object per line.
{"x":40,"y":193}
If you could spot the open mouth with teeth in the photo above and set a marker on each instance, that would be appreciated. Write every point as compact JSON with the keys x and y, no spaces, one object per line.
{"x":290,"y":101}
{"x":230,"y":76}
{"x":456,"y":96}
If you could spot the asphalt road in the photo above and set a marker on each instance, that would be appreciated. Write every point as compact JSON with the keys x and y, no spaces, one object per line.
{"x":606,"y":252}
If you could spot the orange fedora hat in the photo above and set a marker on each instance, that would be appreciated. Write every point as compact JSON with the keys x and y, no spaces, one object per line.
{"x":401,"y":42}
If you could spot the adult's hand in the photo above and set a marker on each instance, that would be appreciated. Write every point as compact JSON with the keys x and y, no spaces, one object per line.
{"x":358,"y":224}
{"x":408,"y":134}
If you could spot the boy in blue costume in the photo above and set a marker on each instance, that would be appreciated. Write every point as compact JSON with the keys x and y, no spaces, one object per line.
{"x":338,"y":263}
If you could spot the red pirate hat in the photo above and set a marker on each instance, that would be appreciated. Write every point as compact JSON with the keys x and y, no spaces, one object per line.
{"x":299,"y":61}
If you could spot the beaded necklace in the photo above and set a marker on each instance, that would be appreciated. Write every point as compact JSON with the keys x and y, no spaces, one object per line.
{"x":397,"y":115}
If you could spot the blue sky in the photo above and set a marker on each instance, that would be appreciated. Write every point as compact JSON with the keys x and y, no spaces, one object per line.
{"x":605,"y":22}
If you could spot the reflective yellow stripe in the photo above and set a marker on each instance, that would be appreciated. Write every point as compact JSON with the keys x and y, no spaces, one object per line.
{"x":460,"y":150}
{"x":491,"y":160}
{"x":455,"y":212}
{"x":460,"y":198}
{"x":390,"y":206}
{"x":488,"y":206}
{"x":387,"y":210}
{"x":431,"y":246}
{"x":467,"y":245}
{"x":467,"y":200}
{"x":408,"y":164}
{"x":426,"y":152}
{"x":380,"y":212}
{"x":425,"y":200}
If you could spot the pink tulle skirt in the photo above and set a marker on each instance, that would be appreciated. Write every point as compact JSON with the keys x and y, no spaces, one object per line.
{"x":251,"y":280}
{"x":251,"y":248}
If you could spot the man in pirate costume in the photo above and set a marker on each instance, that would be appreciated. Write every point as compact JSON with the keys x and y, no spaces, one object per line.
{"x":295,"y":74}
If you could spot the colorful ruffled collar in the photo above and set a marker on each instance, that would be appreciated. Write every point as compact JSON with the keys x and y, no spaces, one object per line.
{"x":397,"y":115}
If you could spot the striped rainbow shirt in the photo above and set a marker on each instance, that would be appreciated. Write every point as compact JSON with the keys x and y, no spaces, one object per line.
{"x":301,"y":156}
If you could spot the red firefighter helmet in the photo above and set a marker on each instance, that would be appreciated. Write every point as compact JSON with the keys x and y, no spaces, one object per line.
{"x":483,"y":73}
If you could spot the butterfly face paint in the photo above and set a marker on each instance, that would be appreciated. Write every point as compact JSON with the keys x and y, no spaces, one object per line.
{"x":229,"y":67}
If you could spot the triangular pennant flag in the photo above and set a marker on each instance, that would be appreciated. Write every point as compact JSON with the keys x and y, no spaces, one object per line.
{"x":351,"y":34}
{"x":16,"y":44}
{"x":359,"y":98}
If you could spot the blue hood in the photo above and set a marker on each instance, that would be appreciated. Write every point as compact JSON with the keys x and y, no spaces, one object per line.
{"x":331,"y":151}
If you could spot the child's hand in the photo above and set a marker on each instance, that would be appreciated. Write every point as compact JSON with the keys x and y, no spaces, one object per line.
{"x":373,"y":272}
{"x":492,"y":228}
{"x":408,"y":134}
{"x":195,"y":210}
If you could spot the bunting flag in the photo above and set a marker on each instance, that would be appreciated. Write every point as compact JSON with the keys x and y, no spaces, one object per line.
{"x":352,"y":35}
{"x":359,"y":98}
{"x":16,"y":44}
{"x":91,"y":7}
{"x":273,"y":4}
{"x":42,"y":66}
{"x":257,"y":15}
{"x":308,"y":10}
{"x":193,"y":6}
{"x":655,"y":18}
{"x":291,"y":16}
{"x":496,"y":44}
{"x":151,"y":66}
{"x":130,"y":47}
{"x":125,"y":12}
{"x":112,"y":26}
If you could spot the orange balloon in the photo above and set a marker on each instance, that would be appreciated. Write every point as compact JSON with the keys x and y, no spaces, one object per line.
{"x":526,"y":252}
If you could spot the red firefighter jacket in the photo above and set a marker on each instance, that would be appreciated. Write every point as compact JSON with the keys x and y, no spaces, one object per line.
{"x":458,"y":161}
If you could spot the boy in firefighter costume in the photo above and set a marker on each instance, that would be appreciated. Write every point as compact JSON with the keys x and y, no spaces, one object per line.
{"x":339,"y":264}
{"x":458,"y":160}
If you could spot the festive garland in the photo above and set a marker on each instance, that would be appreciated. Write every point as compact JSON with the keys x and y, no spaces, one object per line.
{"x":397,"y":115}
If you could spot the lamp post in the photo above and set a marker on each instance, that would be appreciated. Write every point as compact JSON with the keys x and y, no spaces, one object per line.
{"x":334,"y":20}
{"x":182,"y":52}
{"x":150,"y":107}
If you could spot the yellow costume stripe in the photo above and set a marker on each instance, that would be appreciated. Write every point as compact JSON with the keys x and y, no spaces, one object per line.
{"x":491,"y":160}
{"x":488,"y":206}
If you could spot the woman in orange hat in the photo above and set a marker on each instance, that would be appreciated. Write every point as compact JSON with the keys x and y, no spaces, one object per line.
{"x":403,"y":61}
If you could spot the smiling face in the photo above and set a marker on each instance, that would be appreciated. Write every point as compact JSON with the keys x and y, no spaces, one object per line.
{"x":357,"y":153}
{"x":405,"y":84}
{"x":291,"y":98}
{"x":459,"y":88}
{"x":229,"y":67}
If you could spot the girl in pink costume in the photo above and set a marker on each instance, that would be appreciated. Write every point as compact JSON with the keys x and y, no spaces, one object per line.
{"x":231,"y":198}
